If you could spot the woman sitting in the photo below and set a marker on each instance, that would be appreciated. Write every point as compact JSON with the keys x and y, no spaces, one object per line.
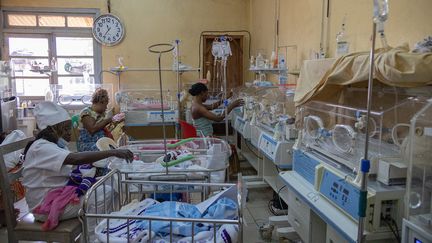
{"x":48,"y":164}
{"x":201,"y":114}
{"x":94,"y":122}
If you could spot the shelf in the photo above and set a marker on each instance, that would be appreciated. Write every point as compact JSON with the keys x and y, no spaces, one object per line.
{"x":251,"y":158}
{"x":270,"y":70}
{"x":294,"y":72}
{"x":126,"y":69}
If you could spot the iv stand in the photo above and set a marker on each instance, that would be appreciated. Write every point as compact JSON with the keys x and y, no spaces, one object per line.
{"x":225,"y":97}
{"x":154,"y":49}
{"x":365,"y":163}
{"x":380,"y":16}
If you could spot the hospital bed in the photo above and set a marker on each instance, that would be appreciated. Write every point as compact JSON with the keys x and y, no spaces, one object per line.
{"x":135,"y":226}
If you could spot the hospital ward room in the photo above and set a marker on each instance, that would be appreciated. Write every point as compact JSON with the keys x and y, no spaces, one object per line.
{"x":215,"y":121}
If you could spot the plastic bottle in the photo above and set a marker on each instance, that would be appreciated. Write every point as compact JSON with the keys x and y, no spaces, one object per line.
{"x":282,"y":62}
{"x":53,"y":64}
{"x":208,"y":76}
{"x":274,"y":60}
{"x":342,"y":45}
{"x":252,"y":62}
{"x":259,"y":61}
{"x":49,"y":96}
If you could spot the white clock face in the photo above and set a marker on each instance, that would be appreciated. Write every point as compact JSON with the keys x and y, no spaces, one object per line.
{"x":108,"y":30}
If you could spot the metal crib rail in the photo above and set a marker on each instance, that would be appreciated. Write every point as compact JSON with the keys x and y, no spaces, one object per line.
{"x":85,"y":215}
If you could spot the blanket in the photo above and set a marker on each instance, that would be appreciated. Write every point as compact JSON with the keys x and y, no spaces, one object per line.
{"x":396,"y":67}
{"x":220,"y":206}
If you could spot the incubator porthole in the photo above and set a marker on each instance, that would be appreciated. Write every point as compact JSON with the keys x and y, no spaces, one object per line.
{"x":414,"y":200}
{"x":313,"y":125}
{"x":86,"y":99}
{"x":372,"y":128}
{"x":343,"y":138}
{"x":65,"y":99}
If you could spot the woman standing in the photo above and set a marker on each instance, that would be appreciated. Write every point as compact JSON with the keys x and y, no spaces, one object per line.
{"x":201,"y":113}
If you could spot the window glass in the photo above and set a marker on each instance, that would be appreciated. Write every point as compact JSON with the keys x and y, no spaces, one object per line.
{"x":78,"y":21}
{"x":75,"y":66}
{"x":21,"y":20}
{"x":51,"y":21}
{"x":31,"y":87}
{"x":20,"y":47}
{"x":75,"y":85}
{"x":74,"y":46}
{"x":30,"y":67}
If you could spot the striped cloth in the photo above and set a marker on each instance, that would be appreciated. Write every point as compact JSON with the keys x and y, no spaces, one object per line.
{"x":204,"y":125}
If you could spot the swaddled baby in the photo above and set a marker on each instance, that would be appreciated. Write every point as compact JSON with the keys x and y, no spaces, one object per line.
{"x":82,"y":178}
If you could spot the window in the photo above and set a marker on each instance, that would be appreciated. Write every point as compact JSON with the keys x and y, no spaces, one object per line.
{"x":47,"y":48}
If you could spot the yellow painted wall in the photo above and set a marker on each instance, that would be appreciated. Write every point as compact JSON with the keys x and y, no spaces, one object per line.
{"x":154,"y":21}
{"x":300,"y":24}
{"x":149,"y":22}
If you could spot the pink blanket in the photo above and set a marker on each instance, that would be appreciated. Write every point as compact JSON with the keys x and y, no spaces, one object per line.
{"x":54,"y":204}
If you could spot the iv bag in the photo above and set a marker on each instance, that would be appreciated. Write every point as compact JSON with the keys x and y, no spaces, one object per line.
{"x":380,"y":11}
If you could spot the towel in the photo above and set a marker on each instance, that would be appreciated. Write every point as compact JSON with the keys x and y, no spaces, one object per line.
{"x":54,"y":204}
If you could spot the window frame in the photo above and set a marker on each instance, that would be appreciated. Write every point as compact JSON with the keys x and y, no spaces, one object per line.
{"x":52,"y":32}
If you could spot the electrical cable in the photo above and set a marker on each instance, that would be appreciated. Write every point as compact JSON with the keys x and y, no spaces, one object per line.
{"x":397,"y":229}
{"x":389,"y":222}
{"x":253,"y":152}
{"x":273,"y":200}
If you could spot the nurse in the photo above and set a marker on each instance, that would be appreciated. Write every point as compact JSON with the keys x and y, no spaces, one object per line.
{"x":201,"y":114}
{"x":47,"y":165}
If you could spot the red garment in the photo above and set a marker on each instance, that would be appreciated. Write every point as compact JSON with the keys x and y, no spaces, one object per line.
{"x":108,"y":133}
{"x":54,"y":204}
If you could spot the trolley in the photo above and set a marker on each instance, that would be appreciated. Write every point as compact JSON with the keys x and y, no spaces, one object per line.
{"x":196,"y":192}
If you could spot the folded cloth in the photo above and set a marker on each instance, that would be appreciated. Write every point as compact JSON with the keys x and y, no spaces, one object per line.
{"x":117,"y":228}
{"x":54,"y":204}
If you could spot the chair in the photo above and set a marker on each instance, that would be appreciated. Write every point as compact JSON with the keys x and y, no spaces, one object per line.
{"x":188,"y":130}
{"x":26,"y":228}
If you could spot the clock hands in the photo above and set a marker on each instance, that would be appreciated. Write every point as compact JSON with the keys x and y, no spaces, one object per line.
{"x":107,"y":32}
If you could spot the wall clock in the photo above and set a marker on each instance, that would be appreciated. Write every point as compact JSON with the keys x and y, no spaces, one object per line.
{"x":108,"y":30}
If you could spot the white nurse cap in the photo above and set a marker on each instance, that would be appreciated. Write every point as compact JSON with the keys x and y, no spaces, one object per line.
{"x":48,"y":114}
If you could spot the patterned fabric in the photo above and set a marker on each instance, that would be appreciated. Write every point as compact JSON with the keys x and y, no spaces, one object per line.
{"x":93,"y":114}
{"x":87,"y":141}
{"x":204,"y":125}
{"x":80,"y":181}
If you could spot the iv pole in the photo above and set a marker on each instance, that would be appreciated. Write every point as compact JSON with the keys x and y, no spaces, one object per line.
{"x":380,"y":16}
{"x":154,"y":49}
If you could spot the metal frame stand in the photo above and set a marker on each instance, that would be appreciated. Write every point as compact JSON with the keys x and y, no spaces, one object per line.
{"x":154,"y":49}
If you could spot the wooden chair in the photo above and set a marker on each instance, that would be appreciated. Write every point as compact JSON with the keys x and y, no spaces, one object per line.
{"x":26,"y":228}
